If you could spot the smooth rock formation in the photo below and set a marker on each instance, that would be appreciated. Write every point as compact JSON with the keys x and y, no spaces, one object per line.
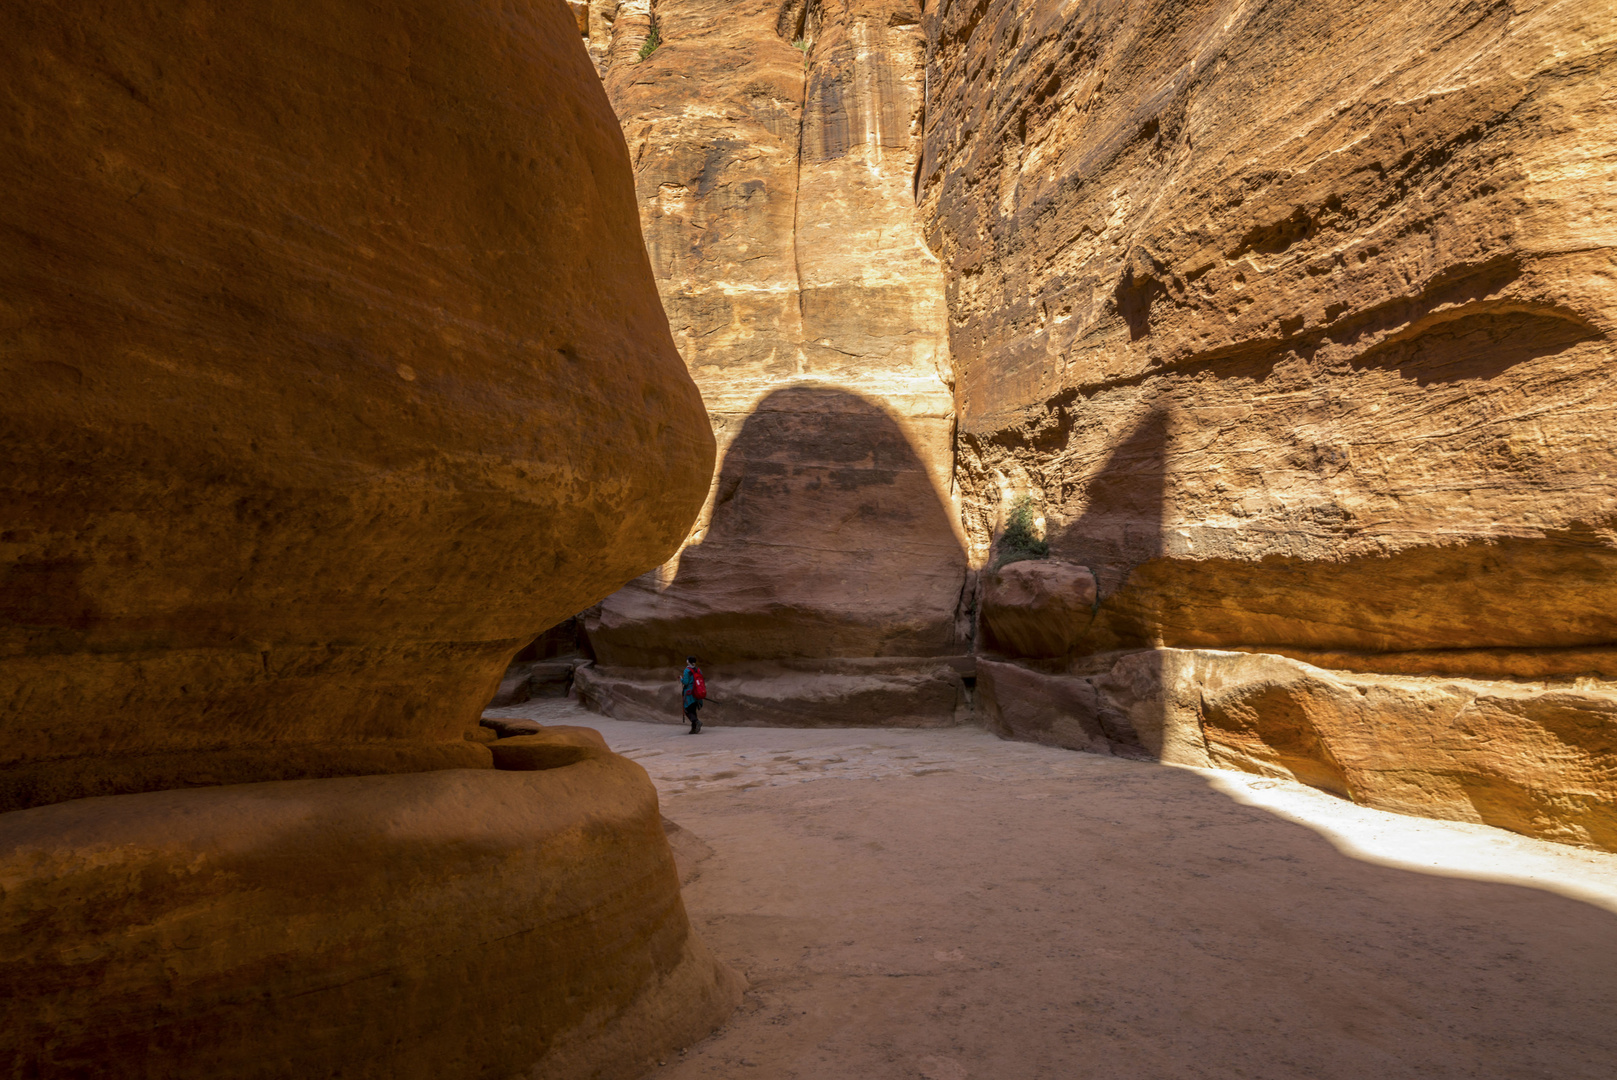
{"x":334,"y":372}
{"x":827,"y":540}
{"x":776,"y":193}
{"x":451,"y":923}
{"x":1296,"y":322}
{"x":329,"y":381}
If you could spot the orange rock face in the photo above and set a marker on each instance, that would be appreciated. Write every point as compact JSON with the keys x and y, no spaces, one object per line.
{"x":334,"y":370}
{"x":1037,"y":608}
{"x":1518,"y":756}
{"x":774,"y":155}
{"x":1296,"y":323}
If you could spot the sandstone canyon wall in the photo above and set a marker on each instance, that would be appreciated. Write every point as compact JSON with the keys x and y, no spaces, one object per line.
{"x":1291,"y":325}
{"x":1295,"y":323}
{"x":774,"y":153}
{"x":333,"y":370}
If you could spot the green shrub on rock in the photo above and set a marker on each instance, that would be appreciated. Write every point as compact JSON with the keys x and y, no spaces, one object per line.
{"x":1020,"y":540}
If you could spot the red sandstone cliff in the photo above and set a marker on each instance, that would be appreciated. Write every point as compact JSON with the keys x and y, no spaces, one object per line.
{"x":775,"y":153}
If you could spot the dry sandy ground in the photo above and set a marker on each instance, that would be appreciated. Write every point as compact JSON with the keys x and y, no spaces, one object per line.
{"x":942,"y":905}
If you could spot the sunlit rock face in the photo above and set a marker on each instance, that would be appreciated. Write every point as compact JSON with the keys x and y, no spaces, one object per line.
{"x":327,"y":385}
{"x":774,"y":157}
{"x":1533,"y":759}
{"x":333,"y":371}
{"x":1296,"y":322}
{"x":1297,"y":319}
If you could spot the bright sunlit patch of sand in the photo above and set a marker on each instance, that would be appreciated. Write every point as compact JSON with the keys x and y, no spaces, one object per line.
{"x":1446,"y":848}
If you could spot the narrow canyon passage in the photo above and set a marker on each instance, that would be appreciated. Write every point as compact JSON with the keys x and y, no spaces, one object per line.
{"x":942,"y":904}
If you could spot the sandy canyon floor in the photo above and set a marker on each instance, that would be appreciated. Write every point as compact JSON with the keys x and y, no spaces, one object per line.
{"x":945,"y":905}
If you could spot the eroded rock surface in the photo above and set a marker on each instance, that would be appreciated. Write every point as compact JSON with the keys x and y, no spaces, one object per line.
{"x":1296,"y":324}
{"x":1037,"y":607}
{"x":776,"y":191}
{"x":327,"y":385}
{"x":1297,"y":320}
{"x":1522,"y":757}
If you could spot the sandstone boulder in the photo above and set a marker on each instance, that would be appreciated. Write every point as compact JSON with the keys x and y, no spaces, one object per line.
{"x":318,"y":317}
{"x":1037,"y":607}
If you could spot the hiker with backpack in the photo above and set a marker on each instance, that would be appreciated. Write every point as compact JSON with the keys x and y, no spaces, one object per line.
{"x":695,"y":688}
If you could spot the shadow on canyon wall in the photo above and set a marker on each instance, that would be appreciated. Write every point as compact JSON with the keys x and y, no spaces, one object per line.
{"x":1121,"y":526}
{"x":1121,"y":708}
{"x":1184,"y":661}
{"x":827,"y":539}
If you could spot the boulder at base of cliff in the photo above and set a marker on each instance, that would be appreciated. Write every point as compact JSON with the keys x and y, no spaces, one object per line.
{"x":1038,"y":607}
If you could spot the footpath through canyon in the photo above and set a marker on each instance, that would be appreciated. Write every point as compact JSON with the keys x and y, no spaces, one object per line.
{"x":947,"y":905}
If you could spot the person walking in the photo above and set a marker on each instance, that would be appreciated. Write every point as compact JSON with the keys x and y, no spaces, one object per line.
{"x":695,"y":691}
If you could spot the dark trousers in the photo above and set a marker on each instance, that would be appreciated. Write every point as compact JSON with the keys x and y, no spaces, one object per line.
{"x":690,"y":713}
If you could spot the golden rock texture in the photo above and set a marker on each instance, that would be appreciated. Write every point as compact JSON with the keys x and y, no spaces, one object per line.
{"x":1296,"y":354}
{"x":774,"y":153}
{"x":333,"y":371}
{"x":1041,"y":607}
{"x":1521,"y":757}
{"x":451,"y":923}
{"x":1296,"y":322}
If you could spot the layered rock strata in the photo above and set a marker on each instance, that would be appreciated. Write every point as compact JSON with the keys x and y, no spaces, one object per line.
{"x":868,"y":692}
{"x":1521,"y":757}
{"x":1296,"y":354}
{"x":326,"y":384}
{"x":1296,"y":325}
{"x":774,"y":157}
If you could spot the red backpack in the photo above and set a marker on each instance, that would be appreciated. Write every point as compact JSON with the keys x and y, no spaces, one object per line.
{"x":698,"y":684}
